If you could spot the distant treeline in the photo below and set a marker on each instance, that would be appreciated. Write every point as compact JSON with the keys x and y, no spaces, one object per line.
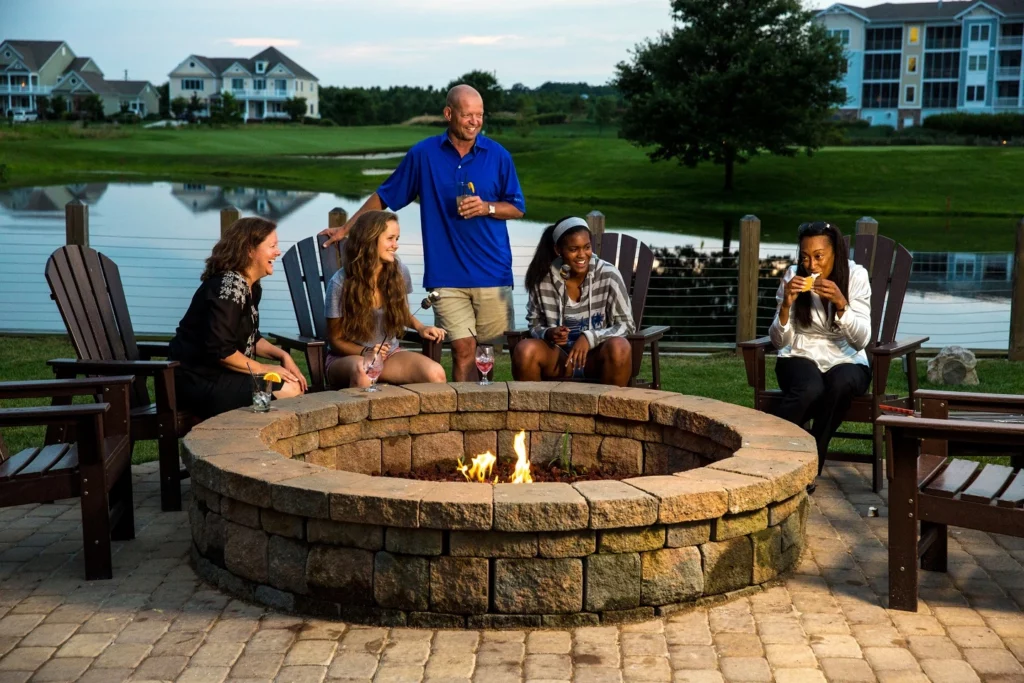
{"x":385,"y":106}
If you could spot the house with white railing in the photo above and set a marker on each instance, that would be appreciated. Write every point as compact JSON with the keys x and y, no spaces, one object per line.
{"x":260,"y":84}
{"x":31,"y":69}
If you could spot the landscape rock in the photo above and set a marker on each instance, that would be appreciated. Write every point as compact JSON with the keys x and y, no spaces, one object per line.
{"x":954,"y":365}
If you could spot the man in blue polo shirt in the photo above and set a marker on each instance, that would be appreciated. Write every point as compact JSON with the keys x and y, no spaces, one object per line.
{"x":466,"y":250}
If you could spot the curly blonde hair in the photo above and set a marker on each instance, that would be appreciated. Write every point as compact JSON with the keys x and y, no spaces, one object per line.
{"x":361,"y":259}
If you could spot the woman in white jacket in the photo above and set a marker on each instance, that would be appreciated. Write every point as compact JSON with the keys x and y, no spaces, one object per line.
{"x":821,"y":328}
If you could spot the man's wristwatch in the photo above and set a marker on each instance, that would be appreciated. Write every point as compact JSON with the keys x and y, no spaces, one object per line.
{"x":490,"y":209}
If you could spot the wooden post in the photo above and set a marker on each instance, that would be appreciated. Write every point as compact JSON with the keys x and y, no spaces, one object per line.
{"x":337,"y":217}
{"x":595,"y":219}
{"x":228,"y":215}
{"x":749,"y":265}
{"x":76,"y":223}
{"x":1017,"y":298}
{"x":867,"y":226}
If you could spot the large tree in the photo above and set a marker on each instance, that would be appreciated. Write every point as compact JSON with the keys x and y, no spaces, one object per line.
{"x":732,"y":79}
{"x":486,"y":83}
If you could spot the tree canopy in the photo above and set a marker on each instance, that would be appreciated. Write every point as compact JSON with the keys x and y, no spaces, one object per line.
{"x":486,"y":83}
{"x":732,"y":79}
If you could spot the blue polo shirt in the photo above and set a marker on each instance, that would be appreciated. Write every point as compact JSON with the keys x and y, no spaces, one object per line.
{"x":458,"y":252}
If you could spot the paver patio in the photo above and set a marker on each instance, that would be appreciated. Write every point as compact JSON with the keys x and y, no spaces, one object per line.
{"x":156,"y":621}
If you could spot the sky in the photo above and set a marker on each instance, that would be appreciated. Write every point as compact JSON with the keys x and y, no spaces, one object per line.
{"x":354,"y":42}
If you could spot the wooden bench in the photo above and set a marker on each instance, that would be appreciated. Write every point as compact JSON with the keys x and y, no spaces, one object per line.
{"x":929,"y":491}
{"x":96,"y":467}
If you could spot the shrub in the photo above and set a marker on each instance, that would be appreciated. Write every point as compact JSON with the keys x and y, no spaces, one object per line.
{"x":326,"y":123}
{"x":551,"y":118}
{"x":1002,"y":126}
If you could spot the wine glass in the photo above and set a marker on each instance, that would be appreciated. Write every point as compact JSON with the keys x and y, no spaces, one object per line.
{"x":373,"y":365}
{"x":484,"y":362}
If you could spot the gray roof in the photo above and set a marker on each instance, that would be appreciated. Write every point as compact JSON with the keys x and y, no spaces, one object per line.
{"x":932,"y":11}
{"x":127,"y":87}
{"x":271,"y":55}
{"x":35,"y":53}
{"x":78,"y":63}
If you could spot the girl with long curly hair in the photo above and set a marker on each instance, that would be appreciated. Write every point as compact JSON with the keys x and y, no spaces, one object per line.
{"x":367,"y":308}
{"x":219,"y":340}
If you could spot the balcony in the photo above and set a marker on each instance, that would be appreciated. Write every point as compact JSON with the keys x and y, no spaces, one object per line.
{"x":1008,"y":72}
{"x":942,"y":73}
{"x":1007,"y":102}
{"x":943,"y":44}
{"x":268,"y":94}
{"x":8,"y":89}
{"x":882,"y":75}
{"x":1011,"y":41}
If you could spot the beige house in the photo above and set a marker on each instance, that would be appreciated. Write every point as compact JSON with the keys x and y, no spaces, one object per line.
{"x":33,"y":68}
{"x":260,"y":84}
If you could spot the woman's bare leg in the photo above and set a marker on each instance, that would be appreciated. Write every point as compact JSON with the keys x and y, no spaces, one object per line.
{"x":289,"y":390}
{"x":534,"y":360}
{"x":347,"y":372}
{"x":611,"y":361}
{"x":408,"y":367}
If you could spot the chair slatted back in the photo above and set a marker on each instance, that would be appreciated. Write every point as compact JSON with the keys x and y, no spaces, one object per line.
{"x":308,"y":267}
{"x":622,"y":252}
{"x":90,"y":297}
{"x":888,"y":265}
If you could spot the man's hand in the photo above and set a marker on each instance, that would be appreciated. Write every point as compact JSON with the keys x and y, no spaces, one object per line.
{"x":334,"y":235}
{"x":557,"y":335}
{"x":578,"y":355}
{"x":472,"y":207}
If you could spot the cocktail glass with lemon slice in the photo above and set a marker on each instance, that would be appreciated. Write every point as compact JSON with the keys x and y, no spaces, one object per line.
{"x":261,"y":399}
{"x":466,"y":189}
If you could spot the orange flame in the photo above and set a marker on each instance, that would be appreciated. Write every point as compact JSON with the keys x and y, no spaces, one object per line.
{"x":481,"y":468}
{"x":522,"y":472}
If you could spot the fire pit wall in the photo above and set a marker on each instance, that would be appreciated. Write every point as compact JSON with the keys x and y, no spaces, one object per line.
{"x":290,"y":509}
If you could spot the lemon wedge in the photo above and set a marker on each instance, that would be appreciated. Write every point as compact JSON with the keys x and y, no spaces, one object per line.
{"x":471,"y":188}
{"x":272,"y":377}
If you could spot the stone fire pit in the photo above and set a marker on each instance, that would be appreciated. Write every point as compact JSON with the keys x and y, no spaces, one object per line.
{"x":290,"y":507}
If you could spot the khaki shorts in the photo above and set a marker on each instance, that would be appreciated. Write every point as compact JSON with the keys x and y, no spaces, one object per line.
{"x":485,"y":312}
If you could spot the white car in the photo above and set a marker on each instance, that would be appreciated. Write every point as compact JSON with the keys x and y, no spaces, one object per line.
{"x":24,"y":116}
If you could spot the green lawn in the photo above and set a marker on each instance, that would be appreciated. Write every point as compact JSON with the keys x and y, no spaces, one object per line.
{"x":929,"y":198}
{"x":719,"y":376}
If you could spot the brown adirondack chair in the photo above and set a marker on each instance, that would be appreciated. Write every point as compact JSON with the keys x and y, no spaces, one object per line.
{"x":889,"y":267}
{"x":622,"y":252}
{"x":95,"y":467}
{"x":308,"y":267}
{"x":87,"y":288}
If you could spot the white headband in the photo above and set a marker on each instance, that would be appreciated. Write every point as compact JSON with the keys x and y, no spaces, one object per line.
{"x":567,"y":225}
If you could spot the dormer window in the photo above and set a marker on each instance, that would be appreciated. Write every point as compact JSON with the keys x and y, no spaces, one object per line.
{"x":261,"y":67}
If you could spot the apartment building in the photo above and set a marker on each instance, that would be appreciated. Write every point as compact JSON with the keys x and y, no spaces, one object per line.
{"x":908,"y":61}
{"x":261,"y":84}
{"x":30,"y":69}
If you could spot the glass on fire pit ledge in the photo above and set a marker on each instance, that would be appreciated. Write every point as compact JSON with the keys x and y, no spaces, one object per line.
{"x":312,"y":508}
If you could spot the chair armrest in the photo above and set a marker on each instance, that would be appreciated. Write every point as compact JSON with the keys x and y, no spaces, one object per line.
{"x":296,"y":343}
{"x":46,"y":388}
{"x":759,"y":343}
{"x":113,"y":367}
{"x":897,"y":348}
{"x":649,"y":334}
{"x":963,"y":400}
{"x":516,"y":334}
{"x":964,"y":431}
{"x":412,"y":336}
{"x":49,"y":415}
{"x":149,"y":349}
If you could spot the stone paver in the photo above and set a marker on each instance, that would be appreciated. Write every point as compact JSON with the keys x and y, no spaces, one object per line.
{"x":827,"y":621}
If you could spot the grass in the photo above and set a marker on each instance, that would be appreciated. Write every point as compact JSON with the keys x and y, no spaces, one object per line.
{"x":929,"y":198}
{"x":719,"y":376}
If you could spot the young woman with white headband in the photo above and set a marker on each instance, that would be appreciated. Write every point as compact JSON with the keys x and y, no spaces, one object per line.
{"x":578,"y":312}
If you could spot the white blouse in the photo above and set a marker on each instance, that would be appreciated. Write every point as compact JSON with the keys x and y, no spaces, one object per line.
{"x":822,"y":343}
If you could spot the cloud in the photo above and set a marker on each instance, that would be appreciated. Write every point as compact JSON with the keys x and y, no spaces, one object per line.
{"x":261,"y":42}
{"x":485,"y":40}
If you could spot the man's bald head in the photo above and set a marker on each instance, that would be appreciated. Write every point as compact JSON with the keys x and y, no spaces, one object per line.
{"x":464,"y":110}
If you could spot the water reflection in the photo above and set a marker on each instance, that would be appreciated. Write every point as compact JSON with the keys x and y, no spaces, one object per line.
{"x":160,"y":233}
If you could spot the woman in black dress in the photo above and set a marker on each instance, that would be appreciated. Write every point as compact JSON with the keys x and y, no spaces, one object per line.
{"x":218,"y":340}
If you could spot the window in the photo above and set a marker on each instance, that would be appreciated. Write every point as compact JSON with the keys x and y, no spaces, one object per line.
{"x":881,"y":95}
{"x":261,"y":67}
{"x":910,"y":94}
{"x":302,"y":86}
{"x":312,"y":109}
{"x":312,"y":87}
{"x":979,"y":33}
{"x":280,"y":85}
{"x":237,"y":83}
{"x":843,"y":34}
{"x":191,"y":65}
{"x":309,"y":109}
{"x":885,"y":66}
{"x":941,"y":95}
{"x":942,"y":65}
{"x":942,"y":37}
{"x":7,"y":55}
{"x":259,"y":84}
{"x":74,"y":81}
{"x":846,"y":65}
{"x":977,"y":63}
{"x":191,"y":84}
{"x":915,"y":35}
{"x":911,"y":64}
{"x":975,"y":93}
{"x":884,"y":38}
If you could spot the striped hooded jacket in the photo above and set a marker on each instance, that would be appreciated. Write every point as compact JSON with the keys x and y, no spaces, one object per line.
{"x":603,"y":310}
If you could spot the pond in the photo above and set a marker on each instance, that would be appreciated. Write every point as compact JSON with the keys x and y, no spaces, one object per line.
{"x":160,"y":233}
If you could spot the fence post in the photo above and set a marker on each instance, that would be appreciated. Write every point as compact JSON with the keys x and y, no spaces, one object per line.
{"x":228,"y":215}
{"x":76,"y":223}
{"x":337,"y":217}
{"x":749,"y":265}
{"x":595,"y":220}
{"x":1017,"y":300}
{"x":867,"y":226}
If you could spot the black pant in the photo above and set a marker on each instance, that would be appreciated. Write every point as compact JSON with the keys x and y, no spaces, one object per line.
{"x":824,"y":397}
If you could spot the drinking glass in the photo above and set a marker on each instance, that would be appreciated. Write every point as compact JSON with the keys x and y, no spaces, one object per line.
{"x":373,"y":365}
{"x":261,"y":401}
{"x":465,"y":190}
{"x":484,"y":362}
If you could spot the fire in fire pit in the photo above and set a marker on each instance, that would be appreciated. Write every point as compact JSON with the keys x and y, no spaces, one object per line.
{"x":482,"y":466}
